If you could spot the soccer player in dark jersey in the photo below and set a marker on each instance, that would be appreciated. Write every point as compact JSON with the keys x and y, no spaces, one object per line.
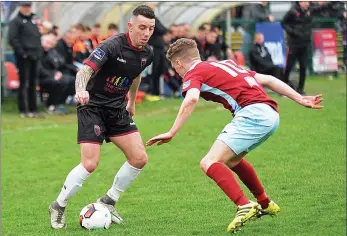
{"x":110,"y":73}
{"x":255,"y":119}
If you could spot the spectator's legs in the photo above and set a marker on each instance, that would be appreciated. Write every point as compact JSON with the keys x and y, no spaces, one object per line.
{"x":345,"y":55}
{"x":24,"y":74}
{"x":277,"y":72}
{"x":32,"y":86}
{"x":302,"y":56}
{"x":156,"y":71}
{"x":291,"y":59}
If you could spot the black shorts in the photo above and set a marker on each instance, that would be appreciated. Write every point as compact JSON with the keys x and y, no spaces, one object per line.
{"x":97,"y":124}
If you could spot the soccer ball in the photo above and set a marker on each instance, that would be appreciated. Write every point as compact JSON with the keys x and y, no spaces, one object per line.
{"x":95,"y":216}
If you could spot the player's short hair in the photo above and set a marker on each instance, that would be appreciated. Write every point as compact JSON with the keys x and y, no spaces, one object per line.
{"x":184,"y":49}
{"x":145,"y":11}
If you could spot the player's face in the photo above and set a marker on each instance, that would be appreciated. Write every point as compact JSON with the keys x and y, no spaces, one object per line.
{"x":140,"y":30}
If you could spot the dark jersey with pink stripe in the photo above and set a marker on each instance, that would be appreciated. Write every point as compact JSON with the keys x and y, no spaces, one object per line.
{"x":227,"y":83}
{"x":116,"y":64}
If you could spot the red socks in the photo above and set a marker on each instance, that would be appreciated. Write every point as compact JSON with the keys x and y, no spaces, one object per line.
{"x":247,"y":175}
{"x":225,"y":179}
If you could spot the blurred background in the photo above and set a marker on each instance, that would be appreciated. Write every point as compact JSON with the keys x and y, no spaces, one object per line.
{"x":65,"y":33}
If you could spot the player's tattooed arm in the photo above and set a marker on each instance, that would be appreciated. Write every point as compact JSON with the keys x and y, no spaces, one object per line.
{"x":82,"y":78}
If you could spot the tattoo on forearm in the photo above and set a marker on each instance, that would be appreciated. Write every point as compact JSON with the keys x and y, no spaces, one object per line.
{"x":82,"y":78}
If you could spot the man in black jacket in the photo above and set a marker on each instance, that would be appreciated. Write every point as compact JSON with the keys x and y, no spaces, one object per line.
{"x":24,"y":37}
{"x":58,"y":85}
{"x":64,"y":48}
{"x":156,"y":41}
{"x":298,"y":25}
{"x":261,"y":60}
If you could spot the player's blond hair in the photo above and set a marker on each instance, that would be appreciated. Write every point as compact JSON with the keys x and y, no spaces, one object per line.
{"x":184,"y":49}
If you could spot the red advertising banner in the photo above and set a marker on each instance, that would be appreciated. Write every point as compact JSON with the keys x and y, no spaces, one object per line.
{"x":324,"y":50}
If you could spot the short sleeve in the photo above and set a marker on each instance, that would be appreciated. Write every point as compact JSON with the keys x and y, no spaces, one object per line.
{"x":192,"y":80}
{"x":99,"y":56}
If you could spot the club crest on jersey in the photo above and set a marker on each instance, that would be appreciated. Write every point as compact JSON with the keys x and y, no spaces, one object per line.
{"x":186,"y":84}
{"x":143,"y":62}
{"x":97,"y":130}
{"x":99,"y":53}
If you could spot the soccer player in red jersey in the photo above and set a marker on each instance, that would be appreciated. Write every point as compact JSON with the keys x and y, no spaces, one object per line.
{"x":255,"y":119}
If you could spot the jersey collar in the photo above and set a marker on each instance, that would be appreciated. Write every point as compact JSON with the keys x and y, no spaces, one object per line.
{"x":192,"y":67}
{"x":131,"y":44}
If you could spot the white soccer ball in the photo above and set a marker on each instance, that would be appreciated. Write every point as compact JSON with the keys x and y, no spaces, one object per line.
{"x":95,"y":216}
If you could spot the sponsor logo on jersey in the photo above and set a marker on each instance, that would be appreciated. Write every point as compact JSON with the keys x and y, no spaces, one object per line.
{"x":121,"y":60}
{"x":99,"y":53}
{"x":119,"y":81}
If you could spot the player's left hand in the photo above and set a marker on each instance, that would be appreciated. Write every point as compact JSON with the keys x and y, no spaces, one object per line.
{"x":312,"y":101}
{"x":131,"y":109}
{"x":160,"y":139}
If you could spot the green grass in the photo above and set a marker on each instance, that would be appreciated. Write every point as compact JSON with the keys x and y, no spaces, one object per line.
{"x":303,"y":168}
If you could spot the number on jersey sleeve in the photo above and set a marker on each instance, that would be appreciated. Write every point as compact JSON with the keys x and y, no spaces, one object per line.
{"x":234,"y":70}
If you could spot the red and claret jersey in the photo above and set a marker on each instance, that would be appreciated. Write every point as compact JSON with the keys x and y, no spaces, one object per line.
{"x":227,"y":83}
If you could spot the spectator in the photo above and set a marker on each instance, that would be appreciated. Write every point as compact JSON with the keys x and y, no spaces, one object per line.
{"x":95,"y":36}
{"x":64,"y":48}
{"x":261,"y":60}
{"x":174,"y":31}
{"x":156,"y":41}
{"x":171,"y":78}
{"x":186,"y":30}
{"x":212,"y":50}
{"x":227,"y":53}
{"x":297,"y":23}
{"x":24,"y":37}
{"x":46,"y":27}
{"x":55,"y":31}
{"x":253,"y":13}
{"x":112,"y":30}
{"x":52,"y":80}
{"x":200,"y":39}
{"x":81,"y":48}
{"x":343,"y":24}
{"x":334,"y":10}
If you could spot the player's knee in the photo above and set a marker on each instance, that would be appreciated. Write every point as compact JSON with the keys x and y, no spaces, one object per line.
{"x":139,"y":161}
{"x":90,"y":165}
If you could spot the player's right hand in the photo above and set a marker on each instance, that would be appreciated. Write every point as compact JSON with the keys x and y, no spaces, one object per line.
{"x":82,"y":97}
{"x":312,"y":101}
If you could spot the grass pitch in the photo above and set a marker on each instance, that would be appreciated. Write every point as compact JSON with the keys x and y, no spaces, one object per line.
{"x":303,"y":168}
